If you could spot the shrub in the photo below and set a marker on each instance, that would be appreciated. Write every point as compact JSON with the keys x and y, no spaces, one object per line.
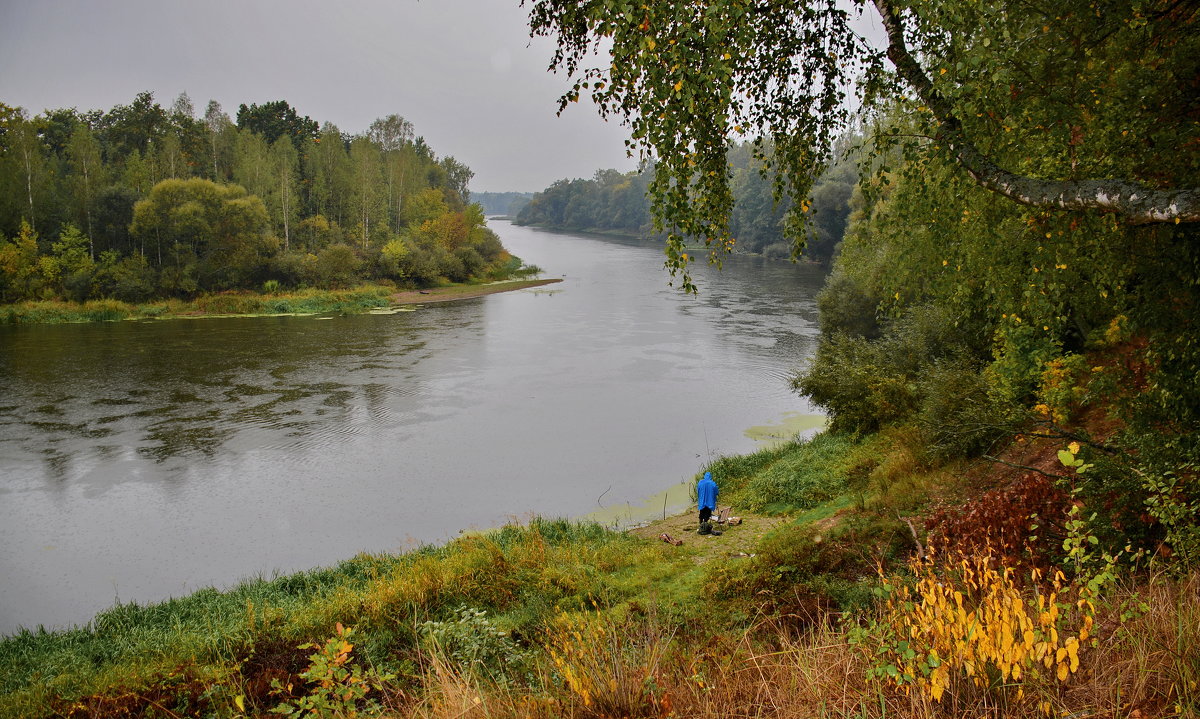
{"x":610,"y":668}
{"x":474,"y":643}
{"x":967,"y":630}
{"x":1017,"y":524}
{"x":957,"y":414}
{"x":856,"y":381}
{"x":338,"y":687}
{"x":868,"y":384}
{"x":338,"y":265}
{"x":844,"y":307}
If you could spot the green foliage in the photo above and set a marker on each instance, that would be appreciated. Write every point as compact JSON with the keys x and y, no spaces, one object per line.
{"x":273,"y":120}
{"x":613,"y":201}
{"x":19,"y":275}
{"x":138,"y":216}
{"x":980,"y":87}
{"x":338,"y":687}
{"x":868,"y":384}
{"x":472,"y":642}
{"x":794,"y":476}
{"x":70,"y":266}
{"x":127,"y":279}
{"x":959,"y":414}
{"x":1163,"y":483}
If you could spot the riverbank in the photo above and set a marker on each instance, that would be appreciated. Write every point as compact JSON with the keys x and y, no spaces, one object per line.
{"x":252,"y":304}
{"x":784,"y":615}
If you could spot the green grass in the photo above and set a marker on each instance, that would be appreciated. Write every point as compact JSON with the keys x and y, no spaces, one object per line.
{"x":524,"y":575}
{"x":790,"y":477}
{"x":311,"y":301}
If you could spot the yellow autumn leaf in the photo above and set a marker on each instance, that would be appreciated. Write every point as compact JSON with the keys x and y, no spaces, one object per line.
{"x":679,"y":86}
{"x":1072,"y":648}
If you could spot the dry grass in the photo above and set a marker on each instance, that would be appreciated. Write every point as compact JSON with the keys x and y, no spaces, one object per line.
{"x":1145,"y":666}
{"x":1147,"y":663}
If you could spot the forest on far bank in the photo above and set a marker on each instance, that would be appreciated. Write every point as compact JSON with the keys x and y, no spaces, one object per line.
{"x":502,"y":203}
{"x":143,"y":201}
{"x":617,"y":201}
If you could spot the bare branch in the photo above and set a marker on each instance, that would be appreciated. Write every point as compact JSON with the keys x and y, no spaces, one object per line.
{"x":1022,"y":466}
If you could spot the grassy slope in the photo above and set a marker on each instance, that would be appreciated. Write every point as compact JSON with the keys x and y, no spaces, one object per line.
{"x":609,"y":624}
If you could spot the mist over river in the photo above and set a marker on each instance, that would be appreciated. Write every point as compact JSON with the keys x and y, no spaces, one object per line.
{"x":142,"y":460}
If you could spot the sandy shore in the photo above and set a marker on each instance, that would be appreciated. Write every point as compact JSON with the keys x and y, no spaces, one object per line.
{"x":463,"y":292}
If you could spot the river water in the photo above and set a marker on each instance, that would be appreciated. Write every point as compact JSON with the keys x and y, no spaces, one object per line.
{"x":142,"y":460}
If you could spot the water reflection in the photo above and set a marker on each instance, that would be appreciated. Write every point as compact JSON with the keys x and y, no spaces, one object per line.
{"x":189,"y":398}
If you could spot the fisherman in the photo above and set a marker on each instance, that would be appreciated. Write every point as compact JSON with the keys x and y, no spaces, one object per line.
{"x":706,"y":500}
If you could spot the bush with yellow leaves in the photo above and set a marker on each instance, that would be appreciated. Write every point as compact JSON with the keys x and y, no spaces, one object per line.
{"x":964,"y":624}
{"x":1062,"y":387}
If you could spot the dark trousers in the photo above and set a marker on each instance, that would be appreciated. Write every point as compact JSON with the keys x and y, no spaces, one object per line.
{"x":705,"y":514}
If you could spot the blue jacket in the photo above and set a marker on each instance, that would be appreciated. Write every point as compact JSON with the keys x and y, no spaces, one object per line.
{"x":706,"y":492}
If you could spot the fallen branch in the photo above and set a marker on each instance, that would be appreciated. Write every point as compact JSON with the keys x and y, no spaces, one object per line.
{"x":921,"y":553}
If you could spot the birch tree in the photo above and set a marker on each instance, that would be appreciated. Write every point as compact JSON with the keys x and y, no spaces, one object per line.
{"x":1077,"y":106}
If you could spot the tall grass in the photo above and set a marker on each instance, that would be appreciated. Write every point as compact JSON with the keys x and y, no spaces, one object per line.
{"x":601,"y":664}
{"x":529,"y":571}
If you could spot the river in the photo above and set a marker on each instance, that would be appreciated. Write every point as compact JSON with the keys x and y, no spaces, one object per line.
{"x":142,"y":460}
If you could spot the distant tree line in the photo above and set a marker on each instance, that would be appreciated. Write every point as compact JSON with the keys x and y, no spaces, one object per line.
{"x":617,"y":201}
{"x":146,"y":201}
{"x":502,"y":203}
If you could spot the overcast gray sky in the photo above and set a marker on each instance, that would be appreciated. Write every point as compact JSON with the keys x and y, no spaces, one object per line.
{"x":464,"y":72}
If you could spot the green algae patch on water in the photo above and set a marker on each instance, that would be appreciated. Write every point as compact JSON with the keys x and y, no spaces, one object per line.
{"x":792,"y":425}
{"x":670,"y":501}
{"x":392,"y":310}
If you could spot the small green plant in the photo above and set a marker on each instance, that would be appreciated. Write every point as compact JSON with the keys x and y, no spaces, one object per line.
{"x":472,"y":641}
{"x":339,"y":688}
{"x":270,"y":287}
